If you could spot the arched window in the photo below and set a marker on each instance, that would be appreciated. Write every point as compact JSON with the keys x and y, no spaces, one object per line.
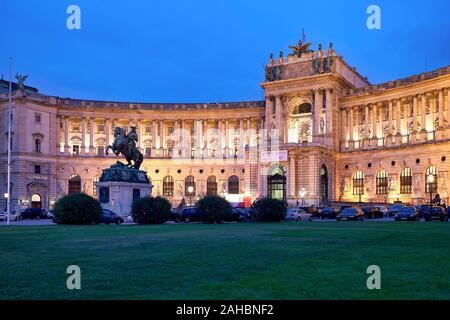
{"x":94,"y":181}
{"x":431,"y":180}
{"x":37,"y":145}
{"x":303,"y":108}
{"x":358,"y":183}
{"x":211,"y":186}
{"x":324,"y":183}
{"x":233,"y":185}
{"x":168,"y":186}
{"x":74,"y":184}
{"x":406,"y":181}
{"x":382,"y":182}
{"x":36,"y":201}
{"x":189,"y":186}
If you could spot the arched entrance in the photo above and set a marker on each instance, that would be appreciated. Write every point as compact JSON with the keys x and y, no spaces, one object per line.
{"x":276,"y":184}
{"x":74,"y":184}
{"x":36,"y":201}
{"x":324,"y":184}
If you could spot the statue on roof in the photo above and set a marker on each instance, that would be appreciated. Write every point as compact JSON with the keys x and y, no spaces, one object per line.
{"x":20,"y":80}
{"x":300,"y":49}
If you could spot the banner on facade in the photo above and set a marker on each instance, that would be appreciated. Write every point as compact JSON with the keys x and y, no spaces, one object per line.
{"x":274,"y":156}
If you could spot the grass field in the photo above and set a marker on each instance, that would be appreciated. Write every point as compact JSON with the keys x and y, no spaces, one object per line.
{"x":232,"y":261}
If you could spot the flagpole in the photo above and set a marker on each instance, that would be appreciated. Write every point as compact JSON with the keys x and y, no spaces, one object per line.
{"x":8,"y":200}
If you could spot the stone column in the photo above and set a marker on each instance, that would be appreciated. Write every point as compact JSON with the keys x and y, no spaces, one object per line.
{"x":317,"y":113}
{"x":107,"y":131}
{"x":247,"y":133}
{"x":366,"y":125}
{"x":350,"y":127}
{"x":432,"y":109}
{"x":414,"y":114}
{"x":205,"y":138}
{"x":154,"y":136}
{"x":441,"y":109}
{"x":83,"y":135}
{"x":329,"y":110}
{"x":423,"y":114}
{"x":278,"y":116}
{"x":139,"y":132}
{"x":66,"y":134}
{"x":374,"y":123}
{"x":227,"y":137}
{"x":398,"y":119}
{"x":58,"y":134}
{"x":161,"y":137}
{"x":390,"y":118}
{"x":91,"y":135}
{"x":292,"y":182}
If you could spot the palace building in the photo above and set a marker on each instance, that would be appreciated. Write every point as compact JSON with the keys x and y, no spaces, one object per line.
{"x":323,"y":134}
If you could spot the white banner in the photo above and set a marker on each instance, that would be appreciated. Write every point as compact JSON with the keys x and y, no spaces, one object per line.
{"x":274,"y":156}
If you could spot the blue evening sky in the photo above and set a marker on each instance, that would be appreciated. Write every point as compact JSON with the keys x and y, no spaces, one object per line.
{"x":208,"y":50}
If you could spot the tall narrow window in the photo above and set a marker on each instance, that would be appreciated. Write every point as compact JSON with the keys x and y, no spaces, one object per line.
{"x":431,"y":178}
{"x":406,"y":181}
{"x":382,"y":182}
{"x":168,"y":186}
{"x":37,"y":145}
{"x":358,"y":183}
{"x":233,"y":185}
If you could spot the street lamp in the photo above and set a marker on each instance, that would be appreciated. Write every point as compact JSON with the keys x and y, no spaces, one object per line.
{"x":302,"y":194}
{"x":6,"y":195}
{"x":430,"y":180}
{"x":190,"y":191}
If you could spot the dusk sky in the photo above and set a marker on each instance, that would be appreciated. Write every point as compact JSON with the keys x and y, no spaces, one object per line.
{"x":205,"y":50}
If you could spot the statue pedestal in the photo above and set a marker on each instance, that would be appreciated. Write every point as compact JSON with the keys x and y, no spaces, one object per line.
{"x":119,"y":186}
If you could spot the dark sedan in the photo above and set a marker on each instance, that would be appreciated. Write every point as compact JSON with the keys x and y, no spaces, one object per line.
{"x":372,"y":212}
{"x":108,"y":217}
{"x":189,"y":214}
{"x":329,"y":213}
{"x":393,"y":210}
{"x":434,"y":213}
{"x":33,"y":213}
{"x":351,"y":214}
{"x":408,"y":214}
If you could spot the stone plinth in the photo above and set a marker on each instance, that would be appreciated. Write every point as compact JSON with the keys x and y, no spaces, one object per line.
{"x":120,"y":185}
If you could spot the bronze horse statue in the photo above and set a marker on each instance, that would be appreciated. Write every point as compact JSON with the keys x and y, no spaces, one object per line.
{"x":125,"y":144}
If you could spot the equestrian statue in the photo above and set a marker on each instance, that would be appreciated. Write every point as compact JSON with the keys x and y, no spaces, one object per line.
{"x":125,"y":144}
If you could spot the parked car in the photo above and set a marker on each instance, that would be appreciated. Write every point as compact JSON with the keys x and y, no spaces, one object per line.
{"x":33,"y":213}
{"x":393,"y":210}
{"x":298,"y":215}
{"x":434,"y":213}
{"x":329,"y":213}
{"x":353,"y":213}
{"x":109,"y":216}
{"x":408,"y":214}
{"x":372,"y":212}
{"x":240,"y":215}
{"x":189,"y":214}
{"x":12,"y":217}
{"x":174,"y":215}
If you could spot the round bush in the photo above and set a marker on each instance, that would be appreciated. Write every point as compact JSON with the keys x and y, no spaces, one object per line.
{"x":150,"y":210}
{"x":269,"y":210}
{"x":77,"y":209}
{"x":214,"y":209}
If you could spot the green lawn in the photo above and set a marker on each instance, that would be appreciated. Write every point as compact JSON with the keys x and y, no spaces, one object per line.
{"x":232,"y":261}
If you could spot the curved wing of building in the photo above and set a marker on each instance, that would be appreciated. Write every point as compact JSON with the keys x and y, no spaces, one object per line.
{"x":323,"y":134}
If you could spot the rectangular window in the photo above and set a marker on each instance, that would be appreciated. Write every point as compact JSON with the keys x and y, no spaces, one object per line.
{"x":136,"y":194}
{"x":101,"y":128}
{"x":101,"y":151}
{"x":76,"y":149}
{"x":148,"y":151}
{"x":37,"y":118}
{"x":148,"y":130}
{"x":171,"y":130}
{"x":37,"y":169}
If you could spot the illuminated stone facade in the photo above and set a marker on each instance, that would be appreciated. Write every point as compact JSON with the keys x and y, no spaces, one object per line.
{"x":322,"y":129}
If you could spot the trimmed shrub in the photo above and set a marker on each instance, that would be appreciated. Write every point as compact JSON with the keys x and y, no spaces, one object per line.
{"x":214,"y":209}
{"x":269,"y":210}
{"x":77,"y":208}
{"x":150,"y":210}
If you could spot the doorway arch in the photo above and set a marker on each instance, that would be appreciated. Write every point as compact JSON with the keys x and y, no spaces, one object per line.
{"x":74,"y":184}
{"x":276,"y":184}
{"x":36,"y":201}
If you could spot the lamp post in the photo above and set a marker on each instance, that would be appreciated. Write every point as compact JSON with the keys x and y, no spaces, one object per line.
{"x":430,"y":180}
{"x":190,"y":191}
{"x":302,"y":194}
